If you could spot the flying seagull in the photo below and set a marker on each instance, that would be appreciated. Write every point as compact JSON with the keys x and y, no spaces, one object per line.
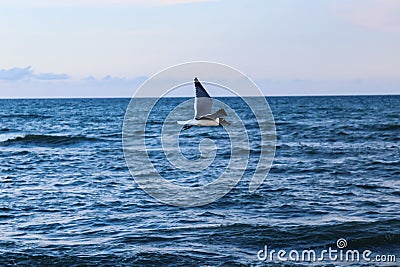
{"x":202,"y":110}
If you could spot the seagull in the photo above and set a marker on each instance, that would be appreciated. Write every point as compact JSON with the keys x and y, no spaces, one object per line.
{"x":202,"y":110}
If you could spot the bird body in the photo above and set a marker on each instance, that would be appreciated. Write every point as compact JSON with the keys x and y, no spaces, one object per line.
{"x":201,"y":122}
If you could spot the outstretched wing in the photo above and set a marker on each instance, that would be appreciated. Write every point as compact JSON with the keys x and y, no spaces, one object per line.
{"x":219,"y":114}
{"x":203,"y":101}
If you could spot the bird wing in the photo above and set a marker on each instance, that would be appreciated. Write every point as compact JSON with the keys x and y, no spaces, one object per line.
{"x":219,"y":114}
{"x":203,"y":101}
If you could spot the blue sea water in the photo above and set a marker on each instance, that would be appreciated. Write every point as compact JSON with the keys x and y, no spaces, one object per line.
{"x":67,"y":197}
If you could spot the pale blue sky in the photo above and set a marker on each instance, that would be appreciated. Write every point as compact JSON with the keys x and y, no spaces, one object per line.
{"x":66,"y":48}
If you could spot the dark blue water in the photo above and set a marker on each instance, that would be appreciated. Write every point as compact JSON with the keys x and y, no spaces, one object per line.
{"x":68,"y":199}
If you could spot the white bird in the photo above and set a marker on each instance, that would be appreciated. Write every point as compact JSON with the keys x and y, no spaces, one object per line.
{"x":202,"y":110}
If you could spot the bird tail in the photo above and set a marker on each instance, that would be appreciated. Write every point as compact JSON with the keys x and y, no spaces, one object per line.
{"x":224,"y":122}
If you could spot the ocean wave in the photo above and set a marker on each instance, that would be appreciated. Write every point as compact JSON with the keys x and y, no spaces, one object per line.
{"x":386,"y":127}
{"x":377,"y":236}
{"x":379,"y":241}
{"x":112,"y":135}
{"x":46,"y":140}
{"x":138,"y":258}
{"x":360,"y":234}
{"x":25,"y":115}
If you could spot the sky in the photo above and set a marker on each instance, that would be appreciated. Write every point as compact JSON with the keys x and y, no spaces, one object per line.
{"x":108,"y":48}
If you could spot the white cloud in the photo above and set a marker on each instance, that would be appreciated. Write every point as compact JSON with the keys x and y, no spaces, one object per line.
{"x":16,"y":74}
{"x":51,"y":76}
{"x":373,"y":14}
{"x":23,"y":83}
{"x":87,"y":87}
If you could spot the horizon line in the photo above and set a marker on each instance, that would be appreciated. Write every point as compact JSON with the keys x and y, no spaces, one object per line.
{"x":130,"y":97}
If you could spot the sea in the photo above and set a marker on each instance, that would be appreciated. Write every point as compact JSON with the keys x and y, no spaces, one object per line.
{"x":67,"y":197}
